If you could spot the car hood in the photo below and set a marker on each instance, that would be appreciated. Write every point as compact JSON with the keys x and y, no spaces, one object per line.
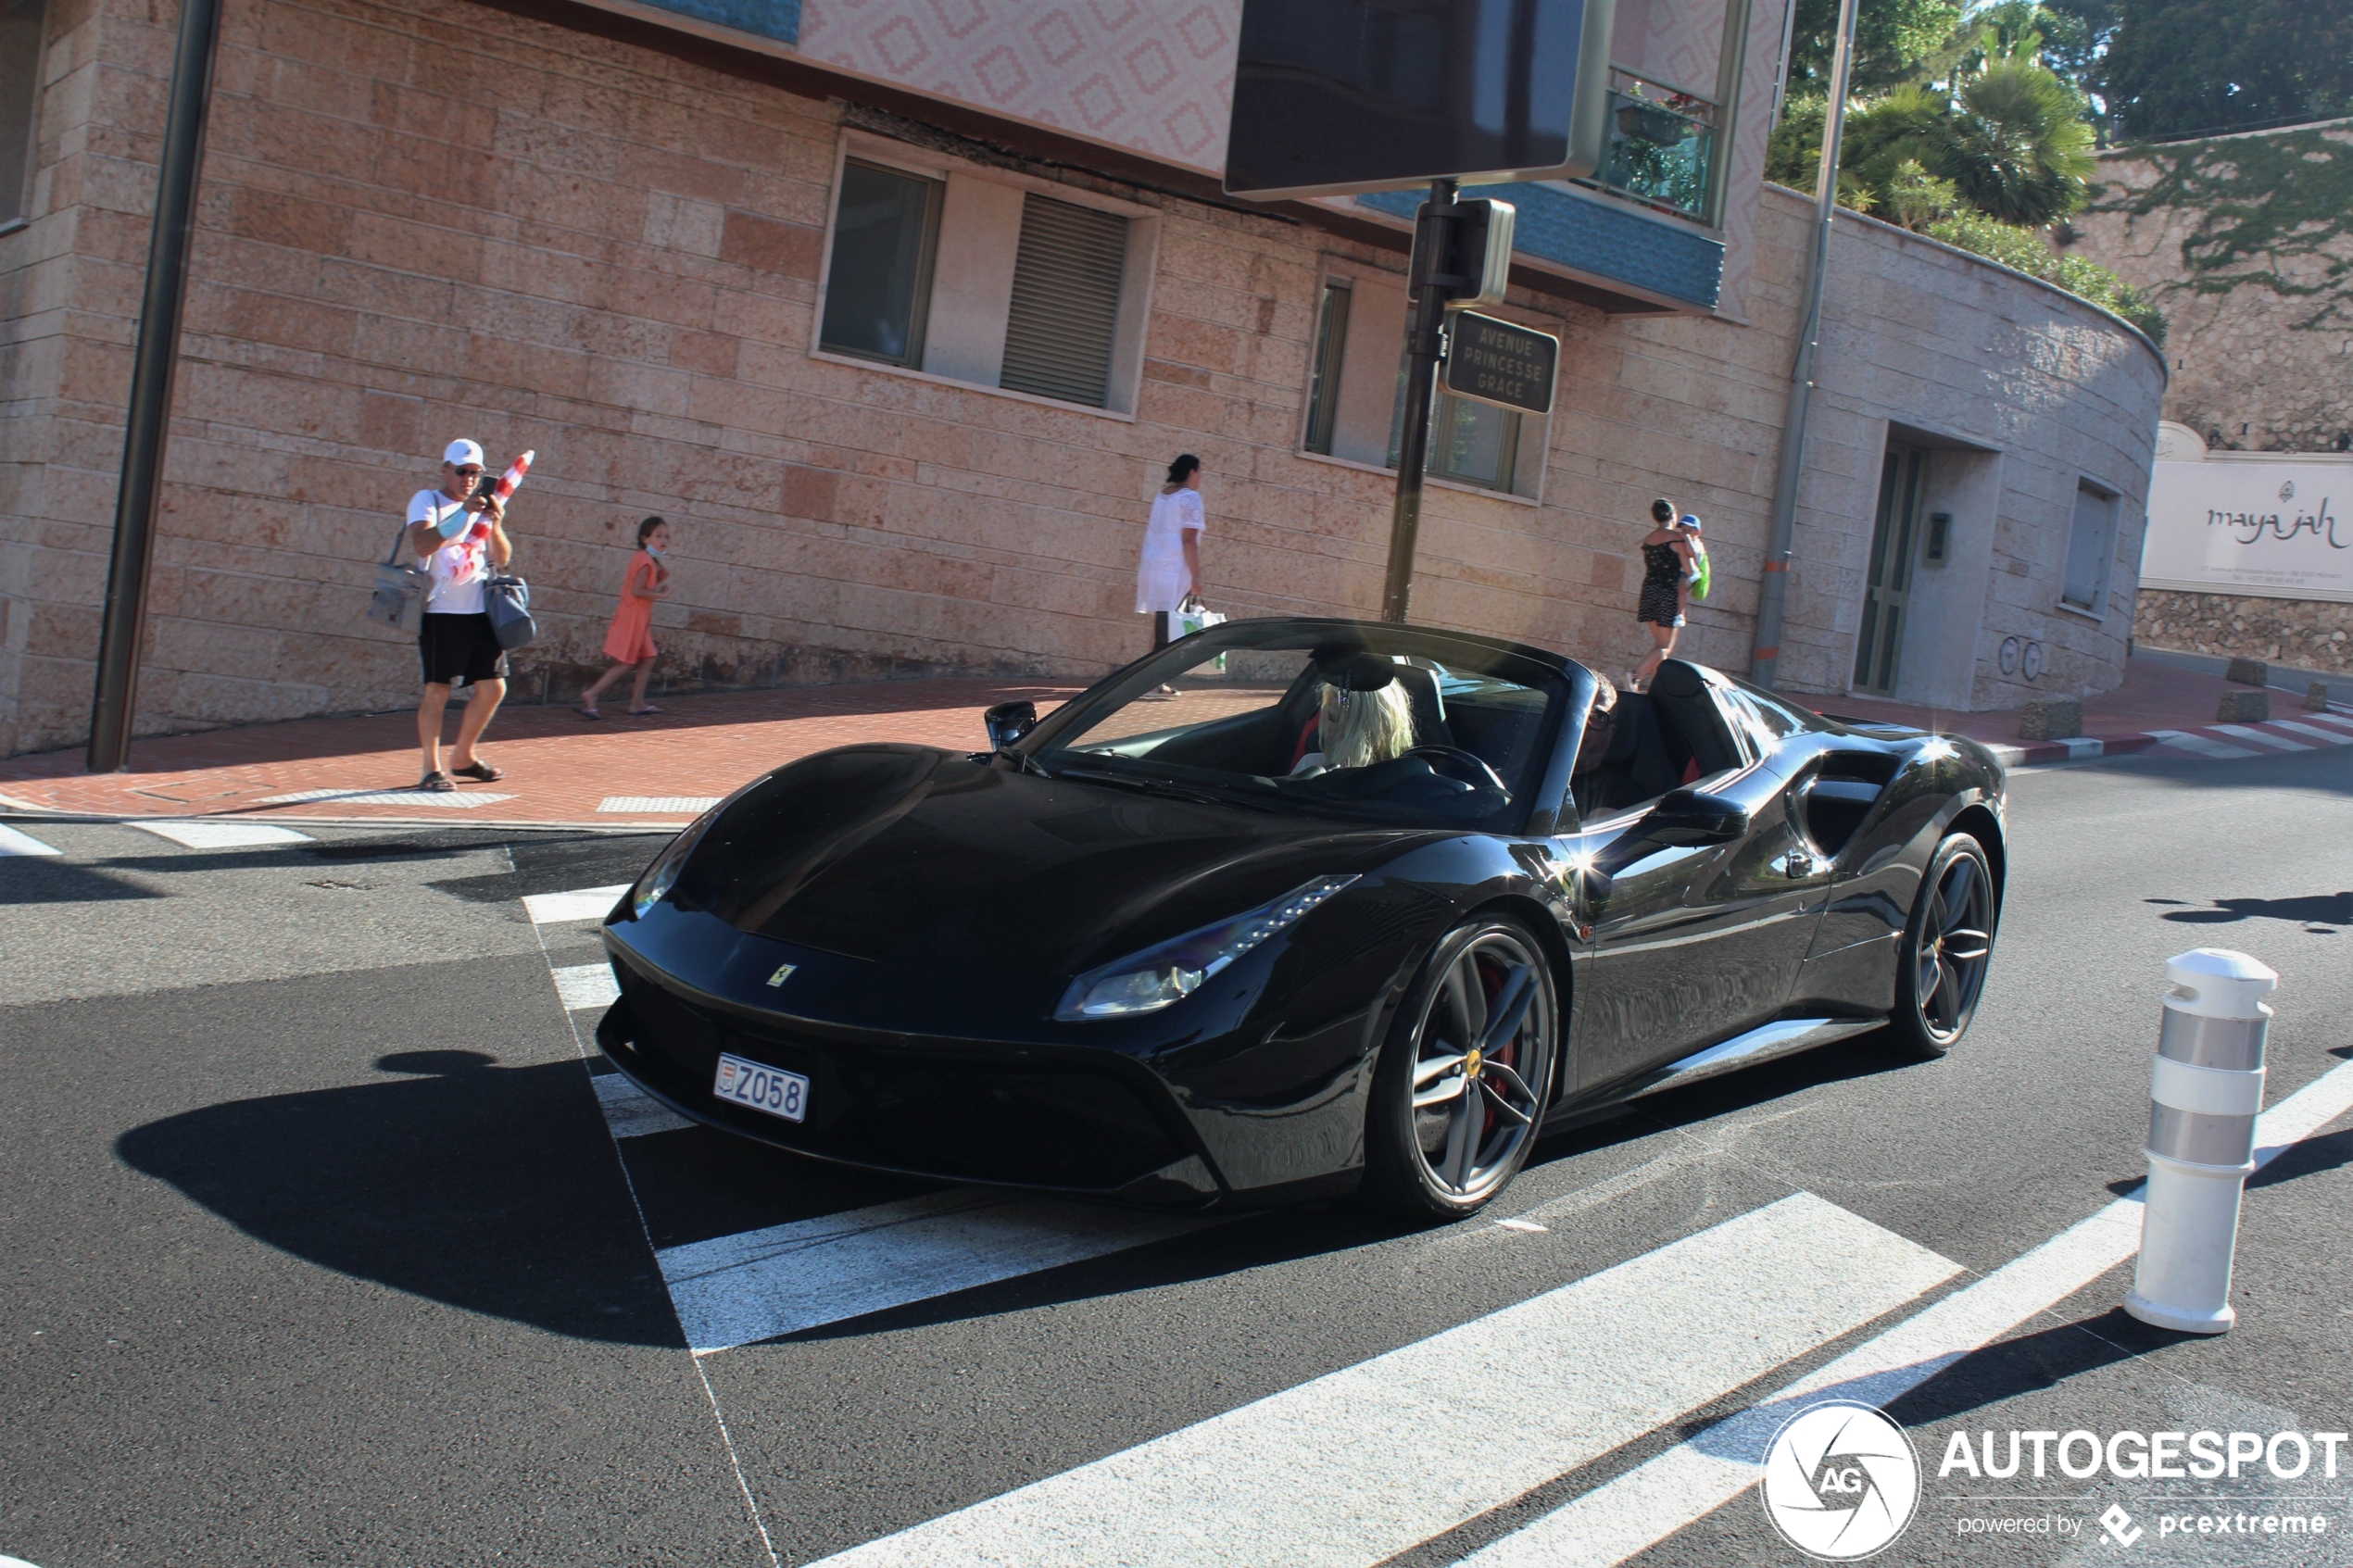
{"x":918,"y":859}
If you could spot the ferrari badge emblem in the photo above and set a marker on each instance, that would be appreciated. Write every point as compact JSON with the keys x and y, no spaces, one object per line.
{"x":784,"y":973}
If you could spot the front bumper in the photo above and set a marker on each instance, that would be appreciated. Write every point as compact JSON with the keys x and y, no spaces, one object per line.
{"x":1087,"y":1123}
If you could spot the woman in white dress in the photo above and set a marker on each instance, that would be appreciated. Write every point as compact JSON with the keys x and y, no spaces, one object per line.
{"x":1169,"y":573}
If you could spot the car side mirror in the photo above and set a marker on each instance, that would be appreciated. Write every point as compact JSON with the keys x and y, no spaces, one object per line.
{"x":1692,"y":816}
{"x":1008,"y":721}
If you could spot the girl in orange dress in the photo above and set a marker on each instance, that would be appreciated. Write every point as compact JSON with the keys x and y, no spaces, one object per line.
{"x":630,"y":642}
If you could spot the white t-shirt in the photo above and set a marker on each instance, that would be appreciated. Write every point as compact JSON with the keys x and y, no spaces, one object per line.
{"x":1161,"y":578}
{"x":459,"y":567}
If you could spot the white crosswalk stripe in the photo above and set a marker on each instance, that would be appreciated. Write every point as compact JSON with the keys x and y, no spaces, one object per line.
{"x":755,"y":1286}
{"x":2326,"y":737}
{"x":2185,"y":741}
{"x":2261,"y":737}
{"x":1649,"y":1503}
{"x":214,"y":834}
{"x":659,"y":805}
{"x":587,"y":984}
{"x":630,"y":1112}
{"x":587,"y":903}
{"x":1340,"y":1470}
{"x":15,"y":843}
{"x":454,"y":800}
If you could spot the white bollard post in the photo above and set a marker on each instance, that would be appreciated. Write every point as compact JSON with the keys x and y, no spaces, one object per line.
{"x":2206,"y":1089}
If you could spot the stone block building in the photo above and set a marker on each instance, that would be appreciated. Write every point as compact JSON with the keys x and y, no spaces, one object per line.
{"x":2246,"y":242}
{"x":896,"y":311}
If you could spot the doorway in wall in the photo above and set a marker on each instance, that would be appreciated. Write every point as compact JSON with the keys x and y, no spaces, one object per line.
{"x":1888,"y":581}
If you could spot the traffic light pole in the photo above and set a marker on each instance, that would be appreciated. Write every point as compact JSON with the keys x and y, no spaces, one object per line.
{"x":1431,"y":287}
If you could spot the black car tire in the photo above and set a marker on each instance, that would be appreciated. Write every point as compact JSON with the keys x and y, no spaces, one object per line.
{"x":1481,"y":1133}
{"x":1947,"y":946}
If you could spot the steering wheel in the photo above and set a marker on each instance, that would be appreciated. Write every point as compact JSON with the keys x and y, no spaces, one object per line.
{"x":1475,"y":765}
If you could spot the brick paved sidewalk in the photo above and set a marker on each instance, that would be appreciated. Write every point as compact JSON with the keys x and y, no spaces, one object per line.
{"x":560,"y":766}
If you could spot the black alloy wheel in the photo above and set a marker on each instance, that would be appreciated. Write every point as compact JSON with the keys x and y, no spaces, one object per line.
{"x":1948,"y":945}
{"x":1460,"y":1091}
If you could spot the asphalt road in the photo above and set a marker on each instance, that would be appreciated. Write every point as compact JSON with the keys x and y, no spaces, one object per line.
{"x":324,"y":1238}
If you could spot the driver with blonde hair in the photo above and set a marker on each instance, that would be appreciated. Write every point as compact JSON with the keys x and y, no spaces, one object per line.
{"x":1357,"y":728}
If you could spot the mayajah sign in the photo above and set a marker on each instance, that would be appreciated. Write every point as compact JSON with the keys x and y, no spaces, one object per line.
{"x":2266,"y":529}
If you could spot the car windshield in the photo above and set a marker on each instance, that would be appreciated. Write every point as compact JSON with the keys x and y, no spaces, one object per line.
{"x":1368,"y":723}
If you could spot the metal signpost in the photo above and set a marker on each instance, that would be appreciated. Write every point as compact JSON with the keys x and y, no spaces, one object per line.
{"x":1322,"y":109}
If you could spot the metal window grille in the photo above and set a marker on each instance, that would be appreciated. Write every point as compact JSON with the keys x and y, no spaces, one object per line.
{"x":1064,"y":319}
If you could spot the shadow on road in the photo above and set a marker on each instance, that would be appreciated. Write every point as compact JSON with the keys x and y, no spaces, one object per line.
{"x":2321,"y":909}
{"x":490,"y":1188}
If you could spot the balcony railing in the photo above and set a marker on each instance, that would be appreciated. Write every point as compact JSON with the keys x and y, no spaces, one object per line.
{"x":1662,"y":146}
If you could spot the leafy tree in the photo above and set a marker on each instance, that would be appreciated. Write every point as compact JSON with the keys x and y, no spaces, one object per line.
{"x":2179,"y":67}
{"x":1892,"y":38}
{"x":2013,"y":145}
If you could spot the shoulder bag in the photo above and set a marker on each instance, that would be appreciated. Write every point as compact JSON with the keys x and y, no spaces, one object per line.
{"x":399,"y":598}
{"x":508,"y":598}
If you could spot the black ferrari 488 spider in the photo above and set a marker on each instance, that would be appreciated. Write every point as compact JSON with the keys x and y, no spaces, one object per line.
{"x":1293,"y":907}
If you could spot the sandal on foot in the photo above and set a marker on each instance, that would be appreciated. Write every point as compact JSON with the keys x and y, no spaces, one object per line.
{"x":641,"y":712}
{"x":587,"y":712}
{"x":440,"y":784}
{"x":481,"y":773}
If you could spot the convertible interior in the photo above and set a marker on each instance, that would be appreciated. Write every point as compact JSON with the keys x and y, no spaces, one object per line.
{"x":1670,"y":736}
{"x":1489,"y":726}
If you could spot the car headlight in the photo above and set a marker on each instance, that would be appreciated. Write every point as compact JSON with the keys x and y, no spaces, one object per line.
{"x":663,"y":875}
{"x":1161,"y":975}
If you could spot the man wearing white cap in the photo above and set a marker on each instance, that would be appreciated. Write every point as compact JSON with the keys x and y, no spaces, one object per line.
{"x":462,"y":536}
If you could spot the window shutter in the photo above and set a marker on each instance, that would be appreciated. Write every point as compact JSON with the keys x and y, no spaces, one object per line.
{"x":1066,"y":309}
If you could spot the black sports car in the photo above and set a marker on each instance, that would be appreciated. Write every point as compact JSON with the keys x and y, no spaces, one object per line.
{"x":1296,"y":905}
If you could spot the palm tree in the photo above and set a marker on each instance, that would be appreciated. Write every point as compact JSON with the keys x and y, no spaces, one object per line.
{"x":2019,"y":148}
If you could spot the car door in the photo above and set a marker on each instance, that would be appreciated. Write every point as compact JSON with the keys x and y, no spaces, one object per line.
{"x":1695,"y":944}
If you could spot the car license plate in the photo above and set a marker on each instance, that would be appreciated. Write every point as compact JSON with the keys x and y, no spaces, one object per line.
{"x":764,"y":1089}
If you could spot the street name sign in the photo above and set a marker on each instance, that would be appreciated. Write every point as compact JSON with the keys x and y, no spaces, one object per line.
{"x":1493,"y":361}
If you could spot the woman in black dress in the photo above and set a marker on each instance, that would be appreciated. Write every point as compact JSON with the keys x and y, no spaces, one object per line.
{"x":1667,"y":565}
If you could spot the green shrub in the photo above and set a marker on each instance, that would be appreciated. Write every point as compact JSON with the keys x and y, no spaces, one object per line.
{"x":2026,"y":250}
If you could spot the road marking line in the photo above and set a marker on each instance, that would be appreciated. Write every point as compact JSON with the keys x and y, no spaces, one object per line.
{"x":15,"y":843}
{"x":454,"y":798}
{"x":1651,"y":1502}
{"x":2261,"y":737}
{"x":1360,"y":1464}
{"x":2325,"y":716}
{"x":630,"y":1112}
{"x":587,"y":984}
{"x":736,"y":1289}
{"x":222,"y":835}
{"x":2326,"y":737}
{"x":681,"y":804}
{"x":2185,"y":741}
{"x":587,"y":903}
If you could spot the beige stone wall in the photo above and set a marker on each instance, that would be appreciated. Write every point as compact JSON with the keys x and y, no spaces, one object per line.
{"x":2303,"y":633}
{"x":422,"y":218}
{"x":2261,"y":336}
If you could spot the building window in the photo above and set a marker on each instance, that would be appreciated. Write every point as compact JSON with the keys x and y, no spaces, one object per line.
{"x":1662,"y":146}
{"x":878,"y":289}
{"x":1356,"y":397}
{"x":2090,"y":544}
{"x":1063,"y":324}
{"x":976,"y":277}
{"x":1470,"y":442}
{"x":19,"y":106}
{"x":1323,"y":387}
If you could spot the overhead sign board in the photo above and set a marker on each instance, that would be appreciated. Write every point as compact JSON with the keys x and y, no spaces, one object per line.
{"x":2267,"y":529}
{"x":1337,"y":97}
{"x":1498,"y":363}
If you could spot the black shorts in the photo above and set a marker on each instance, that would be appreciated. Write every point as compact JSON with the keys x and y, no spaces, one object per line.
{"x":459,"y":647}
